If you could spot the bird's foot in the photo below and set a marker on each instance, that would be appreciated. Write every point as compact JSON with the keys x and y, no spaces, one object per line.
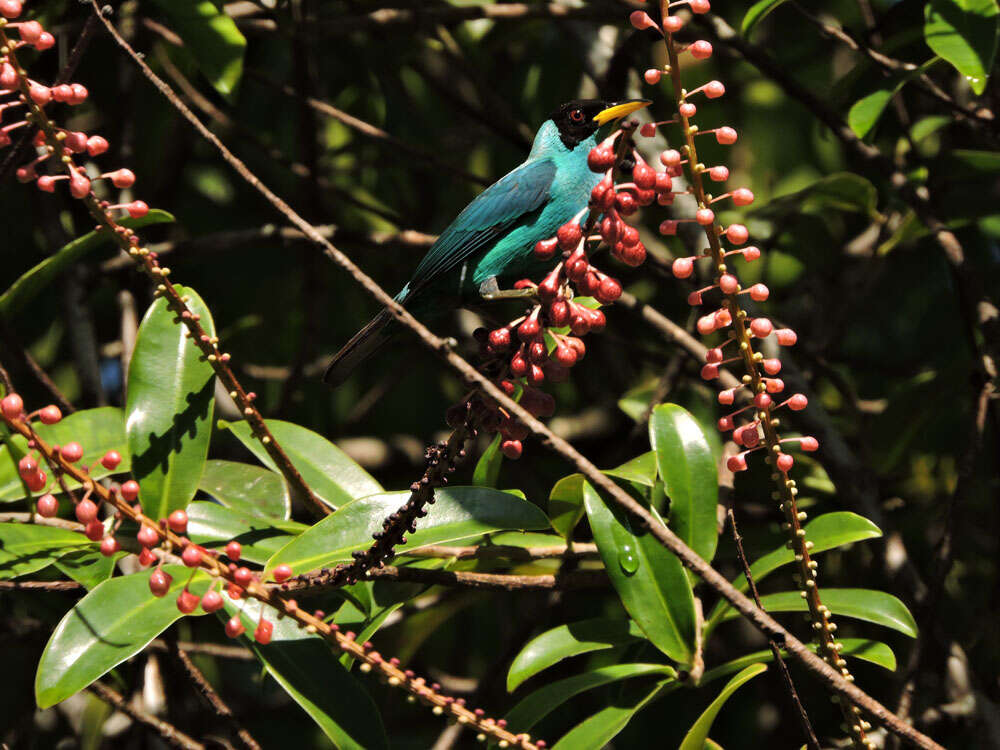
{"x":490,"y":291}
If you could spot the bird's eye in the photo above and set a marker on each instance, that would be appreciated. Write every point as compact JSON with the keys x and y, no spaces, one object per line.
{"x":576,"y":115}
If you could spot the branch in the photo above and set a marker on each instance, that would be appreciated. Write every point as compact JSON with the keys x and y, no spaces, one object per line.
{"x":761,"y":620}
{"x":314,"y":583}
{"x":170,"y":734}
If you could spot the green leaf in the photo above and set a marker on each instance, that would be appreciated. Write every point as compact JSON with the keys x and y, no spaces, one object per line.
{"x":698,"y":734}
{"x":566,"y":505}
{"x":926,"y":126}
{"x":458,"y":513}
{"x":867,"y":111}
{"x":964,"y":32}
{"x":33,"y":281}
{"x":27,"y":547}
{"x":247,"y":488}
{"x":544,"y":701}
{"x":600,"y":728}
{"x":89,"y":567}
{"x":488,"y":467}
{"x":825,"y":532}
{"x":330,"y":473}
{"x":754,"y":15}
{"x":98,"y":430}
{"x":976,"y":162}
{"x":564,"y":641}
{"x":171,"y":394}
{"x":841,"y":191}
{"x":641,"y":470}
{"x":864,"y":604}
{"x":687,"y":468}
{"x":212,"y":38}
{"x":875,"y":652}
{"x":649,"y":579}
{"x":310,"y":672}
{"x":635,"y":401}
{"x":214,"y":526}
{"x":113,"y":622}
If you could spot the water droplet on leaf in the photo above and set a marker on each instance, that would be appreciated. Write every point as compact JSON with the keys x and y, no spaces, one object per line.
{"x":627,"y":559}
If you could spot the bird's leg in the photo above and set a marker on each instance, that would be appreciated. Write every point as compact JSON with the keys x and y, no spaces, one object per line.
{"x":490,"y":290}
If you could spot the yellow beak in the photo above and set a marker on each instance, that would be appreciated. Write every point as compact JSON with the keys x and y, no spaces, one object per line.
{"x":622,"y":109}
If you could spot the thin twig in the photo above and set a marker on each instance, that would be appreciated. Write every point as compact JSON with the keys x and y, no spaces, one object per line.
{"x":761,"y":620}
{"x":213,"y":698}
{"x":170,"y":734}
{"x":786,"y":676}
{"x":583,"y":579}
{"x":51,"y":586}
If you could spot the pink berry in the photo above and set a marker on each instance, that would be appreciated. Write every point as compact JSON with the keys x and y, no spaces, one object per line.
{"x":47,"y":183}
{"x":187,"y":602}
{"x":729,"y":284}
{"x":761,"y":327}
{"x":759,"y":292}
{"x":652,"y":76}
{"x":39,"y":94}
{"x":11,"y":405}
{"x":772,"y":366}
{"x":191,"y":556}
{"x":122,"y":178}
{"x":243,"y":576}
{"x":48,"y":506}
{"x":726,"y":136}
{"x":234,"y":627}
{"x":263,"y":632}
{"x":50,"y":414}
{"x":701,"y":50}
{"x":45,"y":41}
{"x":96,"y":145}
{"x":737,"y":463}
{"x":714,"y":89}
{"x":37,"y":481}
{"x":737,"y":234}
{"x":27,"y":466}
{"x":130,"y":490}
{"x":670,"y":158}
{"x":704,"y":216}
{"x":785,"y":461}
{"x":86,"y":511}
{"x":10,"y":8}
{"x":700,"y":6}
{"x":714,"y":355}
{"x":111,"y":459}
{"x":511,"y":449}
{"x":718,"y":174}
{"x":727,"y":397}
{"x":178,"y":521}
{"x":148,"y":537}
{"x":786,"y":337}
{"x":710,"y":372}
{"x":668,"y":227}
{"x":31,"y":31}
{"x":63,"y":93}
{"x":600,"y":159}
{"x":641,"y":20}
{"x":673,"y":24}
{"x":109,"y":545}
{"x":282,"y":573}
{"x":71,"y":452}
{"x":159,"y":582}
{"x":706,"y":324}
{"x":750,"y":254}
{"x":137,"y":209}
{"x":648,"y":129}
{"x":80,"y":94}
{"x":775,"y":385}
{"x":742,"y":197}
{"x":94,"y":530}
{"x":211,"y":601}
{"x":146,"y":557}
{"x":798,"y":402}
{"x":762,"y":400}
{"x":725,"y":424}
{"x":809,"y":444}
{"x":687,"y":109}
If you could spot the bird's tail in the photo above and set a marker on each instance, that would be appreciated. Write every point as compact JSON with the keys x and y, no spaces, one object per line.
{"x":363,"y":344}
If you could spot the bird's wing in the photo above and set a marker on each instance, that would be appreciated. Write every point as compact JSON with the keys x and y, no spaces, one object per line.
{"x":492,"y":212}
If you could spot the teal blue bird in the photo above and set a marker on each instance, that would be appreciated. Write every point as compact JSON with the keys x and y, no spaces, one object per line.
{"x":490,"y":245}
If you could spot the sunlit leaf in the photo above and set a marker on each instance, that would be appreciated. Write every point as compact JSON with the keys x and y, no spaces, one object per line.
{"x":27,"y":547}
{"x":246,"y":488}
{"x":964,"y":32}
{"x":698,"y":734}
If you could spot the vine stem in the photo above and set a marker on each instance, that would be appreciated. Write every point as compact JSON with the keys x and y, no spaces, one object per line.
{"x":785,"y":490}
{"x":267,"y":594}
{"x":688,"y":557}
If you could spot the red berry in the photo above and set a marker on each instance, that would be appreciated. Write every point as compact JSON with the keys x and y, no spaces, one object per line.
{"x":86,"y":511}
{"x":538,"y":352}
{"x":50,"y":414}
{"x":122,"y":178}
{"x":79,"y":186}
{"x":565,"y":355}
{"x":211,"y":601}
{"x":536,"y":375}
{"x":233,"y":551}
{"x":110,"y":460}
{"x":500,"y":338}
{"x":644,"y":176}
{"x":72,"y":452}
{"x":37,"y":481}
{"x":11,"y":405}
{"x":608,"y":291}
{"x":130,"y":490}
{"x":148,"y":537}
{"x":529,"y":329}
{"x":601,"y":158}
{"x":96,"y":145}
{"x":137,"y":209}
{"x":234,"y":591}
{"x":234,"y":627}
{"x":282,"y":573}
{"x":545,"y":249}
{"x":187,"y":602}
{"x":559,"y":313}
{"x":94,"y":530}
{"x":191,"y":556}
{"x":569,"y":235}
{"x":511,"y":449}
{"x":109,"y":545}
{"x":263,"y":632}
{"x":27,"y":467}
{"x":178,"y":521}
{"x":48,"y":506}
{"x":159,"y":582}
{"x":146,"y":557}
{"x":243,"y":576}
{"x":626,"y":204}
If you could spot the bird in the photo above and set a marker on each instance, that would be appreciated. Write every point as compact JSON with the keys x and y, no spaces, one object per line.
{"x":490,"y":243}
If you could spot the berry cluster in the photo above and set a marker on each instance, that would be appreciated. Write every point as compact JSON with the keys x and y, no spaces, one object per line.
{"x":753,"y":426}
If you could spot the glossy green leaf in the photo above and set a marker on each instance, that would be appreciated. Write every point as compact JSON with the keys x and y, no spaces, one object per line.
{"x":309,"y":670}
{"x":698,"y":734}
{"x":333,"y":475}
{"x":964,"y":32}
{"x":214,"y":526}
{"x":171,"y":394}
{"x":690,"y":478}
{"x":89,"y":567}
{"x":565,"y":641}
{"x":863,"y":604}
{"x":458,"y":513}
{"x":600,"y":728}
{"x":867,"y":111}
{"x":566,"y":505}
{"x":212,"y":38}
{"x":825,"y":532}
{"x":488,"y":467}
{"x":755,"y":14}
{"x":37,"y":278}
{"x":641,"y":470}
{"x":113,"y":622}
{"x":841,"y":191}
{"x":246,"y":488}
{"x":27,"y":547}
{"x":865,"y":649}
{"x":97,"y":430}
{"x":649,"y":580}
{"x":544,"y":701}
